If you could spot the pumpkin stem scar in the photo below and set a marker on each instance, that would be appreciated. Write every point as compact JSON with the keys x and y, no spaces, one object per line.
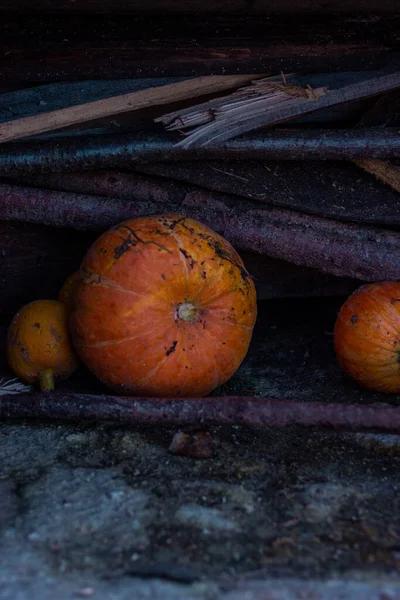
{"x":132,"y":240}
{"x":186,"y":311}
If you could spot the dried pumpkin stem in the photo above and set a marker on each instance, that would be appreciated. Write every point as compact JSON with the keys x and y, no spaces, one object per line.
{"x":186,"y":311}
{"x":46,"y":380}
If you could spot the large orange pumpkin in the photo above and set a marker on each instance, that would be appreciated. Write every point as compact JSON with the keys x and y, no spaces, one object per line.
{"x":163,"y":306}
{"x":367,"y":336}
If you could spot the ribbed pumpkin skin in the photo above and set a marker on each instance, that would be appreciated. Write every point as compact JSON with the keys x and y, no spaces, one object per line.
{"x":367,"y":336}
{"x":139,"y":281}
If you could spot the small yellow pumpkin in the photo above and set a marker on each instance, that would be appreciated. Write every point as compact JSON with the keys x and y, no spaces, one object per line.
{"x":38,"y":343}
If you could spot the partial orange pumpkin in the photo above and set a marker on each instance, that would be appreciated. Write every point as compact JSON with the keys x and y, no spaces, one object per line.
{"x":367,"y":336}
{"x":67,"y":290}
{"x":164,"y":307}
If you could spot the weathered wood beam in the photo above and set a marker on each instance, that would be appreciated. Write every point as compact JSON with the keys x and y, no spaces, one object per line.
{"x":36,"y":100}
{"x":73,"y":47}
{"x":121,"y":104}
{"x":205,"y":6}
{"x":125,"y":151}
{"x":224,"y":410}
{"x":40,"y":99}
{"x":336,"y":190}
{"x":333,"y":247}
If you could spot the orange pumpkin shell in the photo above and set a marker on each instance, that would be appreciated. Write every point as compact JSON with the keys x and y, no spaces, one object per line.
{"x":367,"y":336}
{"x":164,"y":306}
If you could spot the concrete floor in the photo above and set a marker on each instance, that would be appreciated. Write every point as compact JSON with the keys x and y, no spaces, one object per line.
{"x":108,"y":512}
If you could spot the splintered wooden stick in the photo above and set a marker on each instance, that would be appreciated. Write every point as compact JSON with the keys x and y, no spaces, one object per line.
{"x":384,"y":171}
{"x":81,"y":113}
{"x":356,"y":251}
{"x":228,"y":410}
{"x":383,"y":113}
{"x":265,"y":103}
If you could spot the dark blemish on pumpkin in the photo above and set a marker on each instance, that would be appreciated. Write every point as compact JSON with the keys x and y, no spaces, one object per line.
{"x":203,"y":275}
{"x":220,"y":252}
{"x":103,"y":250}
{"x":393,"y":300}
{"x":26,"y":354}
{"x":223,"y":343}
{"x":225,"y":256}
{"x":172,"y":348}
{"x":55,"y":334}
{"x":186,"y":367}
{"x":163,"y":276}
{"x":244,"y":312}
{"x":204,"y":324}
{"x":133,"y":240}
{"x":176,"y":222}
{"x":37,"y":325}
{"x":354,"y":319}
{"x":186,"y":254}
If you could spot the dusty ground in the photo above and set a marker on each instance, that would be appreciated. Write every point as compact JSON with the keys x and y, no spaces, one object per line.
{"x":107,"y":512}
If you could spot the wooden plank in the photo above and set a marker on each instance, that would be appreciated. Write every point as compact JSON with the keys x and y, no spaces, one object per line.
{"x":113,"y":47}
{"x":205,"y":6}
{"x":384,"y":171}
{"x":115,"y":105}
{"x":40,"y":99}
